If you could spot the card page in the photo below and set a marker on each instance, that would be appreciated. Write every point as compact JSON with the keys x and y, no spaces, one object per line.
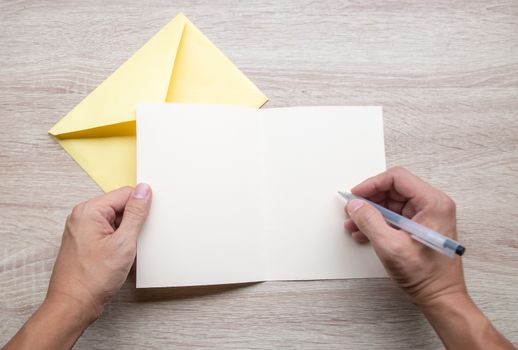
{"x":241,"y":194}
{"x":204,"y":167}
{"x":310,"y":154}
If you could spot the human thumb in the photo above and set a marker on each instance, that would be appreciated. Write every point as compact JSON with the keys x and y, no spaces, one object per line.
{"x":368,"y":219}
{"x":136,"y":211}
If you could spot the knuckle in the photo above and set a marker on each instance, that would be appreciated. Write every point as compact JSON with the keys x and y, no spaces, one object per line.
{"x":125,"y":247}
{"x":69,"y":224}
{"x":77,"y":211}
{"x":365,"y":217}
{"x":398,"y":249}
{"x":128,"y":249}
{"x":128,"y":189}
{"x":398,"y":169}
{"x":99,"y":221}
{"x":75,"y":215}
{"x":104,"y":212}
{"x":445,"y":204}
{"x":449,"y":204}
{"x":135,"y":210}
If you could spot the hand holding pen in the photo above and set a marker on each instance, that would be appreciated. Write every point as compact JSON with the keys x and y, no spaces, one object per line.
{"x":420,"y":233}
{"x":433,"y":280}
{"x":422,"y":272}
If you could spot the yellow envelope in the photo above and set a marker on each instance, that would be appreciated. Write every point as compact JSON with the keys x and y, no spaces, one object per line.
{"x":178,"y":64}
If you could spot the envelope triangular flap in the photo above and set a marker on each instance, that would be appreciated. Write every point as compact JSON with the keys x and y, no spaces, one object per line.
{"x":143,"y":78}
{"x":203,"y":74}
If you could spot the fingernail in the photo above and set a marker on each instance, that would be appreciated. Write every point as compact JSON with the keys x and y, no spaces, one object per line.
{"x":141,"y":191}
{"x":354,"y":205}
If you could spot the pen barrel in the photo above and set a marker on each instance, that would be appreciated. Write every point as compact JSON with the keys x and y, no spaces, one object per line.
{"x":418,"y":232}
{"x":421,"y":233}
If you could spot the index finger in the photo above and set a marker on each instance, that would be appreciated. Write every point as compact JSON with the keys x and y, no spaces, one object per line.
{"x":397,"y":182}
{"x":115,"y":200}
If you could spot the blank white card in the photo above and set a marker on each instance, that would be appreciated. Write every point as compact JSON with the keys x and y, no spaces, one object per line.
{"x":242,"y":195}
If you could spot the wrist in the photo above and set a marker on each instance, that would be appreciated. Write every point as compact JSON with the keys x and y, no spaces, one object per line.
{"x":74,"y":310}
{"x":438,"y":295}
{"x":57,"y":324}
{"x":447,"y":300}
{"x":459,"y":322}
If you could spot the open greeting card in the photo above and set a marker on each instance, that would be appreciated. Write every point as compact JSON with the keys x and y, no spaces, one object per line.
{"x":242,"y":195}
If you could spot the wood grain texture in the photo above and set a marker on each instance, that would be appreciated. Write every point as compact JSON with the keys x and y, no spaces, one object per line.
{"x":446,"y":73}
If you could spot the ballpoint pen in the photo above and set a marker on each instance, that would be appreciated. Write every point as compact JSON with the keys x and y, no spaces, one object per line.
{"x":418,"y":232}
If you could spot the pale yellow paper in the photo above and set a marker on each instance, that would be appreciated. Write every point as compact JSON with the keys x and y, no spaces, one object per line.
{"x":241,"y":194}
{"x":178,"y":64}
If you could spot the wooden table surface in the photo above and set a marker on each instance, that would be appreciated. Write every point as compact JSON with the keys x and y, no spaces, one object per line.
{"x":446,"y":73}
